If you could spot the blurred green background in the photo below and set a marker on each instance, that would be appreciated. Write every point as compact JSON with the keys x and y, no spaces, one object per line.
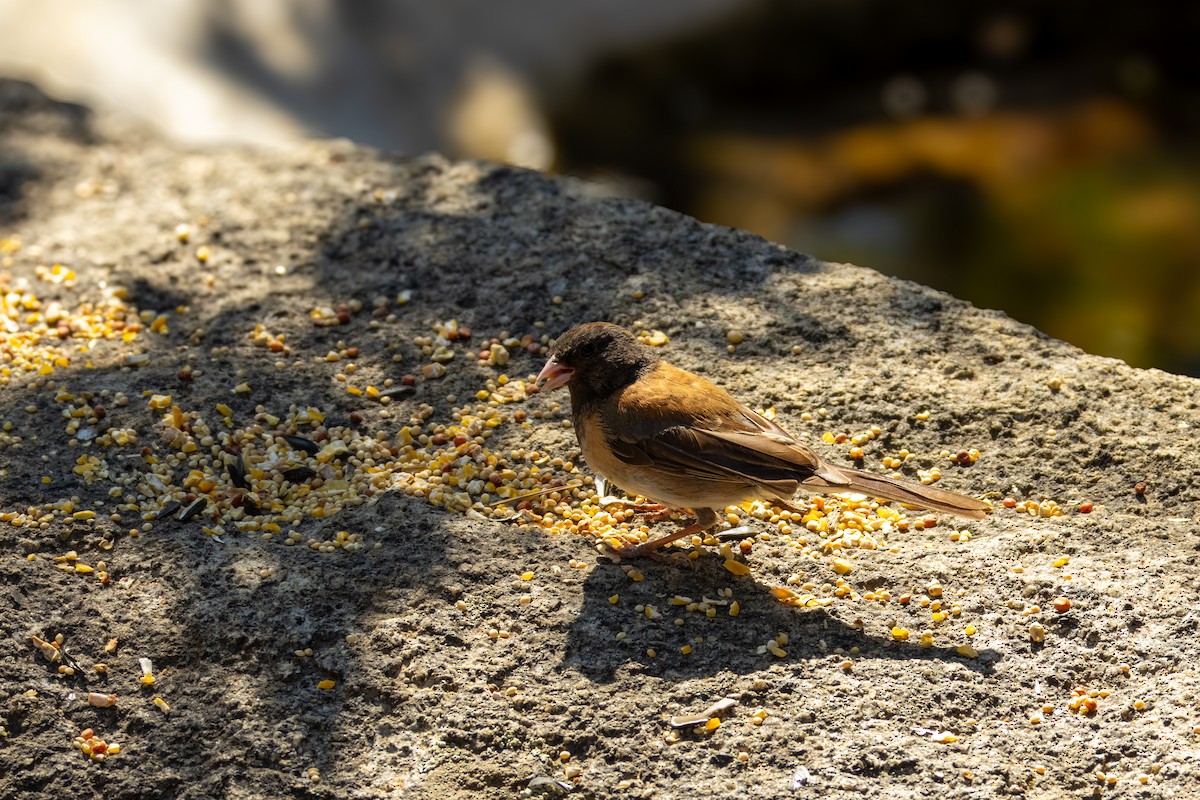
{"x":1040,"y":158}
{"x":1037,"y":157}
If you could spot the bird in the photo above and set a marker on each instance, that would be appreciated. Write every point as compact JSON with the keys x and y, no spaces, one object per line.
{"x":671,"y":436}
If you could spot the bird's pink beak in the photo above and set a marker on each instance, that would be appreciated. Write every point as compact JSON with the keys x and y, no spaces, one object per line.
{"x":555,"y":375}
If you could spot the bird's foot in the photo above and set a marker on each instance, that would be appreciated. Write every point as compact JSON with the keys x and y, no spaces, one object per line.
{"x":630,"y":505}
{"x":706,"y":519}
{"x":650,"y":512}
{"x":640,"y":550}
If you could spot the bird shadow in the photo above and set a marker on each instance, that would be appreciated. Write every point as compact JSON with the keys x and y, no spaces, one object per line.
{"x":610,"y":636}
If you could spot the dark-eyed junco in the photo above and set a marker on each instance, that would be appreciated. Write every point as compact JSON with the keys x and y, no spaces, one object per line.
{"x":661,"y":432}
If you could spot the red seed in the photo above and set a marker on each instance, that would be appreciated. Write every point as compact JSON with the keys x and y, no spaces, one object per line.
{"x":99,"y":412}
{"x":1062,"y":604}
{"x":459,"y":441}
{"x":356,"y":417}
{"x":352,"y":352}
{"x":408,"y":380}
{"x":438,"y":439}
{"x":963,"y":457}
{"x":929,"y":521}
{"x":343,"y":317}
{"x":1085,"y":508}
{"x":1009,"y":502}
{"x":464,"y":333}
{"x":1139,"y":488}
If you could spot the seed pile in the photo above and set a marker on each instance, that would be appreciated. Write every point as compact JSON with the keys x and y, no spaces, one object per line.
{"x":39,"y":337}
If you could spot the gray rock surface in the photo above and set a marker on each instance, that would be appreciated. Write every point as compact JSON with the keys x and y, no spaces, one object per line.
{"x":428,"y":702}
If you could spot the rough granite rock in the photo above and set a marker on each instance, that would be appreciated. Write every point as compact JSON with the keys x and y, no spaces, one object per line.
{"x":426,"y":702}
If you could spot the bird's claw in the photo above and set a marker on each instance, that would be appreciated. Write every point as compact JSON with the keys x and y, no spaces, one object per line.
{"x":636,"y":508}
{"x":640,"y":550}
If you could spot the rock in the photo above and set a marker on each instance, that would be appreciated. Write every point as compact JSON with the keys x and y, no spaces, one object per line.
{"x":832,"y":347}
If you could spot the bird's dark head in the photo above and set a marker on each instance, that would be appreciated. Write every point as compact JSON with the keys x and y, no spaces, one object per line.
{"x":594,"y":360}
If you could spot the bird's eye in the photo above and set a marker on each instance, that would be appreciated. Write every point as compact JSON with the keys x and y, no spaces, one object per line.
{"x":588,"y":349}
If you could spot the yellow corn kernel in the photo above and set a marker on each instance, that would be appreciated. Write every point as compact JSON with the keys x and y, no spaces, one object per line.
{"x":736,"y":567}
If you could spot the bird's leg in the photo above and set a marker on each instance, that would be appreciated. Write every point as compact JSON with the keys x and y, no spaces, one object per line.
{"x":705,"y":519}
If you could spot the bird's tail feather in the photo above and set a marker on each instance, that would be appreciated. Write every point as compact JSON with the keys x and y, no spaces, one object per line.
{"x":916,"y":494}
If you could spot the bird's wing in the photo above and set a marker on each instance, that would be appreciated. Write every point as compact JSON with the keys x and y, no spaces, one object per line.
{"x":681,"y":421}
